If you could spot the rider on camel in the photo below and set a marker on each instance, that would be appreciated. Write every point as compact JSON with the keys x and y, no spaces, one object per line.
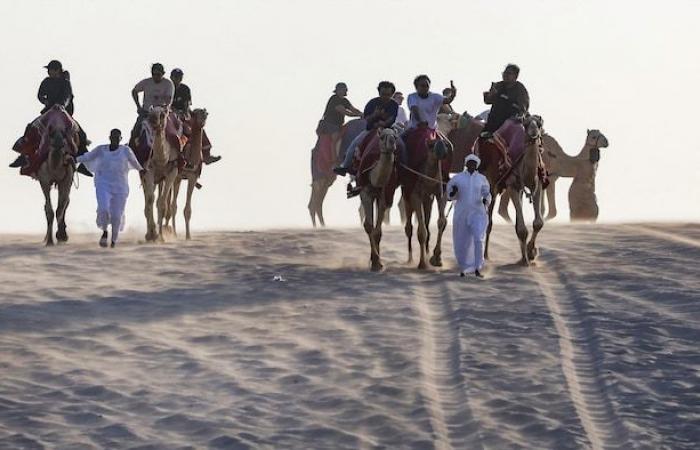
{"x":424,"y":107}
{"x":157,"y":91}
{"x":337,"y":107}
{"x":55,"y":89}
{"x":182,"y":100}
{"x":380,"y":112}
{"x":508,"y":98}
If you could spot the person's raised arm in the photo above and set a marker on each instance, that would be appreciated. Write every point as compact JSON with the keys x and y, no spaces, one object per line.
{"x":491,"y":95}
{"x":453,"y":94}
{"x":89,"y":156}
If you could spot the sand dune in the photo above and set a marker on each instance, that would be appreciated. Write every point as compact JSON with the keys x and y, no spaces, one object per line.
{"x":283,"y":339}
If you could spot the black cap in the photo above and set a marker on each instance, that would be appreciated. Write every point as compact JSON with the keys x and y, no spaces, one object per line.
{"x":176,"y":71}
{"x":157,"y":67}
{"x":54,"y":65}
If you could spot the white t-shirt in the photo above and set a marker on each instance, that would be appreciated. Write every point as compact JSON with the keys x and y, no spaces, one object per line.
{"x":156,"y":94}
{"x":427,"y":107}
{"x":401,"y":116}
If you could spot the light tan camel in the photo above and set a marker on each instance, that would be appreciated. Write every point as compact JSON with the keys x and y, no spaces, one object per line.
{"x":374,"y":195}
{"x":193,"y":155}
{"x":57,"y":170}
{"x":161,"y":170}
{"x":513,"y":183}
{"x":525,"y":175}
{"x":582,"y":167}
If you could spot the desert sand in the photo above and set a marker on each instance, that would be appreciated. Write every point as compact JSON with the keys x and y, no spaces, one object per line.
{"x":284,"y":340}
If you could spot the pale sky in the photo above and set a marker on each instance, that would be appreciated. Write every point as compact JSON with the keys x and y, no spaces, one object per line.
{"x":264,"y":70}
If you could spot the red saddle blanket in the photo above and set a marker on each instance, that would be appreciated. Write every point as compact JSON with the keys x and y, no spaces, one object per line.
{"x":143,"y":143}
{"x":35,"y":143}
{"x":366,"y":158}
{"x":417,"y":147}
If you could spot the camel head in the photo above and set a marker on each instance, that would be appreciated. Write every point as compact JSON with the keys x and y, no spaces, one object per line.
{"x":533,"y":126}
{"x":199,"y":117}
{"x":448,"y":122}
{"x":596,"y":139}
{"x":387,"y":140}
{"x":157,"y":117}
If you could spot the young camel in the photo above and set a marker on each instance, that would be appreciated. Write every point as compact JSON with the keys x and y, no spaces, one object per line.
{"x":191,"y":173}
{"x":380,"y":187}
{"x":160,"y":170}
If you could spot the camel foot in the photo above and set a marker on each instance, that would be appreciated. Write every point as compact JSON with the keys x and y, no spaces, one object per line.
{"x":49,"y":243}
{"x":61,"y":236}
{"x":377,"y":267}
{"x":436,"y":261}
{"x":524,"y":262}
{"x":422,"y":265}
{"x":532,"y":253}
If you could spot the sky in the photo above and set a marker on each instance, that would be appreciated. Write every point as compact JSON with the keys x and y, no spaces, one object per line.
{"x":265,"y":69}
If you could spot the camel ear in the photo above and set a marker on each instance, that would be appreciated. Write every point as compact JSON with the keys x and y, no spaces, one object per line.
{"x":588,"y":131}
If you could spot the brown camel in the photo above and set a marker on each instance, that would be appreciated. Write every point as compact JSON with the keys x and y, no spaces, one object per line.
{"x":321,"y":171}
{"x":191,"y":172}
{"x":419,"y":189}
{"x":160,"y":170}
{"x":582,"y":167}
{"x":375,"y":193}
{"x":58,"y":170}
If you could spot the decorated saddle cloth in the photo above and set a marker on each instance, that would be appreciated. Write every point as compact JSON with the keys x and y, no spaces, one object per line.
{"x":35,"y":144}
{"x":419,"y":142}
{"x":142,"y":144}
{"x":366,"y":158}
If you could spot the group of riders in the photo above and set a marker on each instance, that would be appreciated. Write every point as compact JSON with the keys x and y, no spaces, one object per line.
{"x":418,"y":131}
{"x":507,"y":98}
{"x":157,"y":91}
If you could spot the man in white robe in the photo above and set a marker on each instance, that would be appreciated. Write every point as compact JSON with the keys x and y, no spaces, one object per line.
{"x":472,"y":194}
{"x":111,"y":164}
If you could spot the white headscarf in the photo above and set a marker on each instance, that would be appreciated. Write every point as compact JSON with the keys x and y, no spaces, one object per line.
{"x":472,"y":157}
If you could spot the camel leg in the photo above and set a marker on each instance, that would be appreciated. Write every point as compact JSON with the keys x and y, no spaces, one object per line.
{"x":313,"y":202}
{"x":387,"y":215}
{"x":48,"y":210}
{"x":173,"y":202}
{"x":520,"y":228}
{"x":402,"y":210}
{"x":408,"y":227}
{"x":324,"y":190}
{"x":427,"y":212}
{"x":368,"y":206}
{"x":149,"y":193}
{"x":503,"y":207}
{"x":163,"y":193}
{"x":191,"y":183}
{"x":377,"y":231}
{"x":417,"y":202}
{"x":436,"y":260}
{"x":490,"y":225}
{"x":537,"y":224}
{"x":551,"y":199}
{"x":63,"y":202}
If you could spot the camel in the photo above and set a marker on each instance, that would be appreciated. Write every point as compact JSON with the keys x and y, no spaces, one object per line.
{"x":428,"y":186}
{"x":582,"y":167}
{"x":58,"y":170}
{"x":322,"y":169}
{"x":160,"y":170}
{"x":193,"y":155}
{"x":375,"y":195}
{"x":523,"y":175}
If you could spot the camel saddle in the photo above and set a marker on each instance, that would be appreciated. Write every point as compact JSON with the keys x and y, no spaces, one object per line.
{"x":142,"y":144}
{"x":35,"y":144}
{"x":366,"y":157}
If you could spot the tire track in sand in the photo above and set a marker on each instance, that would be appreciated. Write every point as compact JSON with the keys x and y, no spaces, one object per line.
{"x":578,"y":355}
{"x":673,"y":237}
{"x":443,"y":386}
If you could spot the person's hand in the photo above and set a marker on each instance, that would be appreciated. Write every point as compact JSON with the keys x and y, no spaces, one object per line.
{"x":453,"y":191}
{"x":452,"y":86}
{"x":485,"y":201}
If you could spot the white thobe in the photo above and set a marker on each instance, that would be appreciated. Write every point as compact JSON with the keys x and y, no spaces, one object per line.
{"x":470,"y":219}
{"x":111,"y":169}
